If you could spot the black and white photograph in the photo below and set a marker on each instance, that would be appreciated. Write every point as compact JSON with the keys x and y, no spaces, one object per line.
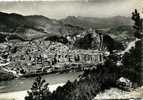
{"x":71,"y":49}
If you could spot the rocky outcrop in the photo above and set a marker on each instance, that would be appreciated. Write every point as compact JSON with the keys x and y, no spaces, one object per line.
{"x":115,"y":93}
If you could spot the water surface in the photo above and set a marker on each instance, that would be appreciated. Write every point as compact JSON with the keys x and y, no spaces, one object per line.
{"x":26,"y":83}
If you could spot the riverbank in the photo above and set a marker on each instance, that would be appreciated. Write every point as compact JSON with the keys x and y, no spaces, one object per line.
{"x":20,"y":84}
{"x":4,"y":75}
{"x":7,"y":75}
{"x":19,"y":95}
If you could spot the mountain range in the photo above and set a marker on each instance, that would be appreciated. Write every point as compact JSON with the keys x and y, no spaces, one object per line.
{"x":98,"y":23}
{"x":32,"y":27}
{"x":36,"y":26}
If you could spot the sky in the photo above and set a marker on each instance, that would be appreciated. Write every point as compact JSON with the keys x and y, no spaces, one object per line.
{"x":59,"y":9}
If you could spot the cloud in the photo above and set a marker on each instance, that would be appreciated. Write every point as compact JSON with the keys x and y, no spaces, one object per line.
{"x":99,"y":1}
{"x":61,"y":9}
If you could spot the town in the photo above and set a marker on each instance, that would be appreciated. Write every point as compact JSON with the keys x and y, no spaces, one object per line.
{"x":29,"y":58}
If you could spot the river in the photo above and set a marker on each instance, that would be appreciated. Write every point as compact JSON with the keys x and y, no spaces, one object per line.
{"x":26,"y":83}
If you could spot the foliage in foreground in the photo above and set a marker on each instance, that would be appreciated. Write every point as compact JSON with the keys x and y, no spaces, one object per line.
{"x":39,"y":90}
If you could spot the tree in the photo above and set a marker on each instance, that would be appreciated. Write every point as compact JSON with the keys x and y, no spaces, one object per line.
{"x":132,"y":62}
{"x":39,"y":90}
{"x":138,"y":23}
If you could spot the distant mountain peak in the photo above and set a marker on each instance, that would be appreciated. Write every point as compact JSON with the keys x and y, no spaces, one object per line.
{"x":38,"y":16}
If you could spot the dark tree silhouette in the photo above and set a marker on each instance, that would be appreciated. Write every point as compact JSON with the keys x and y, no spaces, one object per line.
{"x":132,"y":64}
{"x":132,"y":60}
{"x":39,"y":90}
{"x":138,"y":23}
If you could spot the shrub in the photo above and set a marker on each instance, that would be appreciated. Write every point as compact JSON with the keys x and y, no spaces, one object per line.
{"x":39,"y":90}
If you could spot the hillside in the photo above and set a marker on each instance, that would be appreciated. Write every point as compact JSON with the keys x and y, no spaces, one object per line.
{"x":29,"y":27}
{"x":37,"y":26}
{"x":97,"y":23}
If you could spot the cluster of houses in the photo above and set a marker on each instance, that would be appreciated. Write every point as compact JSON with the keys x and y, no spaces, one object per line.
{"x":31,"y":56}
